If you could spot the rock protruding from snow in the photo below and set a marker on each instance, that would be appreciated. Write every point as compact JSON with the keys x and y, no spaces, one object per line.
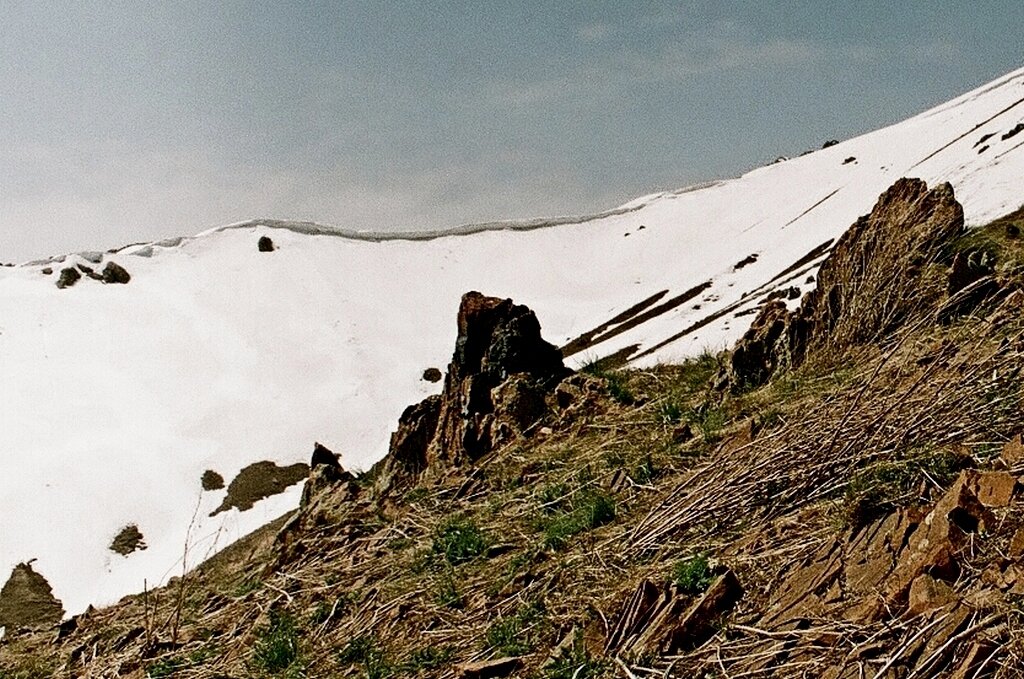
{"x":879,"y":276}
{"x":68,"y":277}
{"x":27,"y":600}
{"x":264,"y":244}
{"x":115,"y":273}
{"x":495,"y":388}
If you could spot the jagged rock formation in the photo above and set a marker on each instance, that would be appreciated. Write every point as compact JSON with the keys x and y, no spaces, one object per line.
{"x":327,"y":495}
{"x":495,"y":388}
{"x":885,"y":270}
{"x":324,"y":471}
{"x":26,"y":600}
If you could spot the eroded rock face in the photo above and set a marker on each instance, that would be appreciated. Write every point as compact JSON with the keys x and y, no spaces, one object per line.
{"x":880,"y":274}
{"x":497,"y":339}
{"x":27,"y":600}
{"x":495,"y":388}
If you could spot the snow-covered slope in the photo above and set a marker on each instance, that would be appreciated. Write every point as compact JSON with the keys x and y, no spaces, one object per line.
{"x":115,"y":398}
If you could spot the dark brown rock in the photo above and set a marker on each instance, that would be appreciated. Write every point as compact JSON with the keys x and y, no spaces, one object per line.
{"x":115,"y":273}
{"x":496,"y":388}
{"x":260,"y":480}
{"x":211,"y":480}
{"x":265,"y":244}
{"x":432,"y":375}
{"x":407,"y":453}
{"x":68,"y":277}
{"x":26,"y":600}
{"x":324,"y":471}
{"x":129,"y":539}
{"x":762,"y":350}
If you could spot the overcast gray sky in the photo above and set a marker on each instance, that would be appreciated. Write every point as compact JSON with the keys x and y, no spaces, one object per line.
{"x":126,"y":121}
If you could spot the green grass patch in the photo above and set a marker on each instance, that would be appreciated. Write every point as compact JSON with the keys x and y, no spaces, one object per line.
{"x":877,"y":489}
{"x":277,"y":647}
{"x":516,"y":634}
{"x":581,"y":512}
{"x":446,"y":591}
{"x":458,"y":540}
{"x":364,"y":652}
{"x":693,"y":575}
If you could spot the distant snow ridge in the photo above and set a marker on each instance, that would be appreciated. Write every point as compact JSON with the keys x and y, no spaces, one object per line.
{"x":217,"y":356}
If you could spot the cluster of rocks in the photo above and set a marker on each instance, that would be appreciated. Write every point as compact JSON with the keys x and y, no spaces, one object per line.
{"x":112,"y":273}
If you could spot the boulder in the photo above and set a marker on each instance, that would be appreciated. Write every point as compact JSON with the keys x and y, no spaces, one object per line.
{"x":489,"y":669}
{"x":115,"y":273}
{"x":927,"y":594}
{"x":762,"y":350}
{"x":432,"y":375}
{"x":265,"y":244}
{"x":68,"y":277}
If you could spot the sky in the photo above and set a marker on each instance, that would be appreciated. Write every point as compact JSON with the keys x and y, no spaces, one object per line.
{"x":124,"y":121}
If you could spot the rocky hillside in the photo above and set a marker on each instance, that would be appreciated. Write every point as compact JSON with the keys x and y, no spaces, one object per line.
{"x":838,"y":496}
{"x":175,"y":387}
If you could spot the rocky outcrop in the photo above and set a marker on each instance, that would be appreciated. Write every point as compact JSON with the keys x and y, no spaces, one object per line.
{"x":325,"y":471}
{"x":27,"y":600}
{"x":659,"y":620}
{"x":881,"y":273}
{"x":496,"y":388}
{"x":328,"y":495}
{"x":894,"y":564}
{"x":265,"y":244}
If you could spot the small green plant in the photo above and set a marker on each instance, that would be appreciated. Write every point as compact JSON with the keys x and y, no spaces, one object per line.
{"x":645,"y":471}
{"x":277,"y":645}
{"x":428,"y":658}
{"x":587,"y":510}
{"x":709,"y":420}
{"x":364,"y":651}
{"x":619,"y":390}
{"x":416,"y":494}
{"x":458,"y":540}
{"x":516,"y":634}
{"x":693,"y":574}
{"x":616,"y":381}
{"x":164,"y":667}
{"x":670,"y":412}
{"x":446,"y":592}
{"x":247,"y":585}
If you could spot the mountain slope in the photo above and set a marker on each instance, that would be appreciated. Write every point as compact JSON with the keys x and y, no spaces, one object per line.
{"x":215,"y":355}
